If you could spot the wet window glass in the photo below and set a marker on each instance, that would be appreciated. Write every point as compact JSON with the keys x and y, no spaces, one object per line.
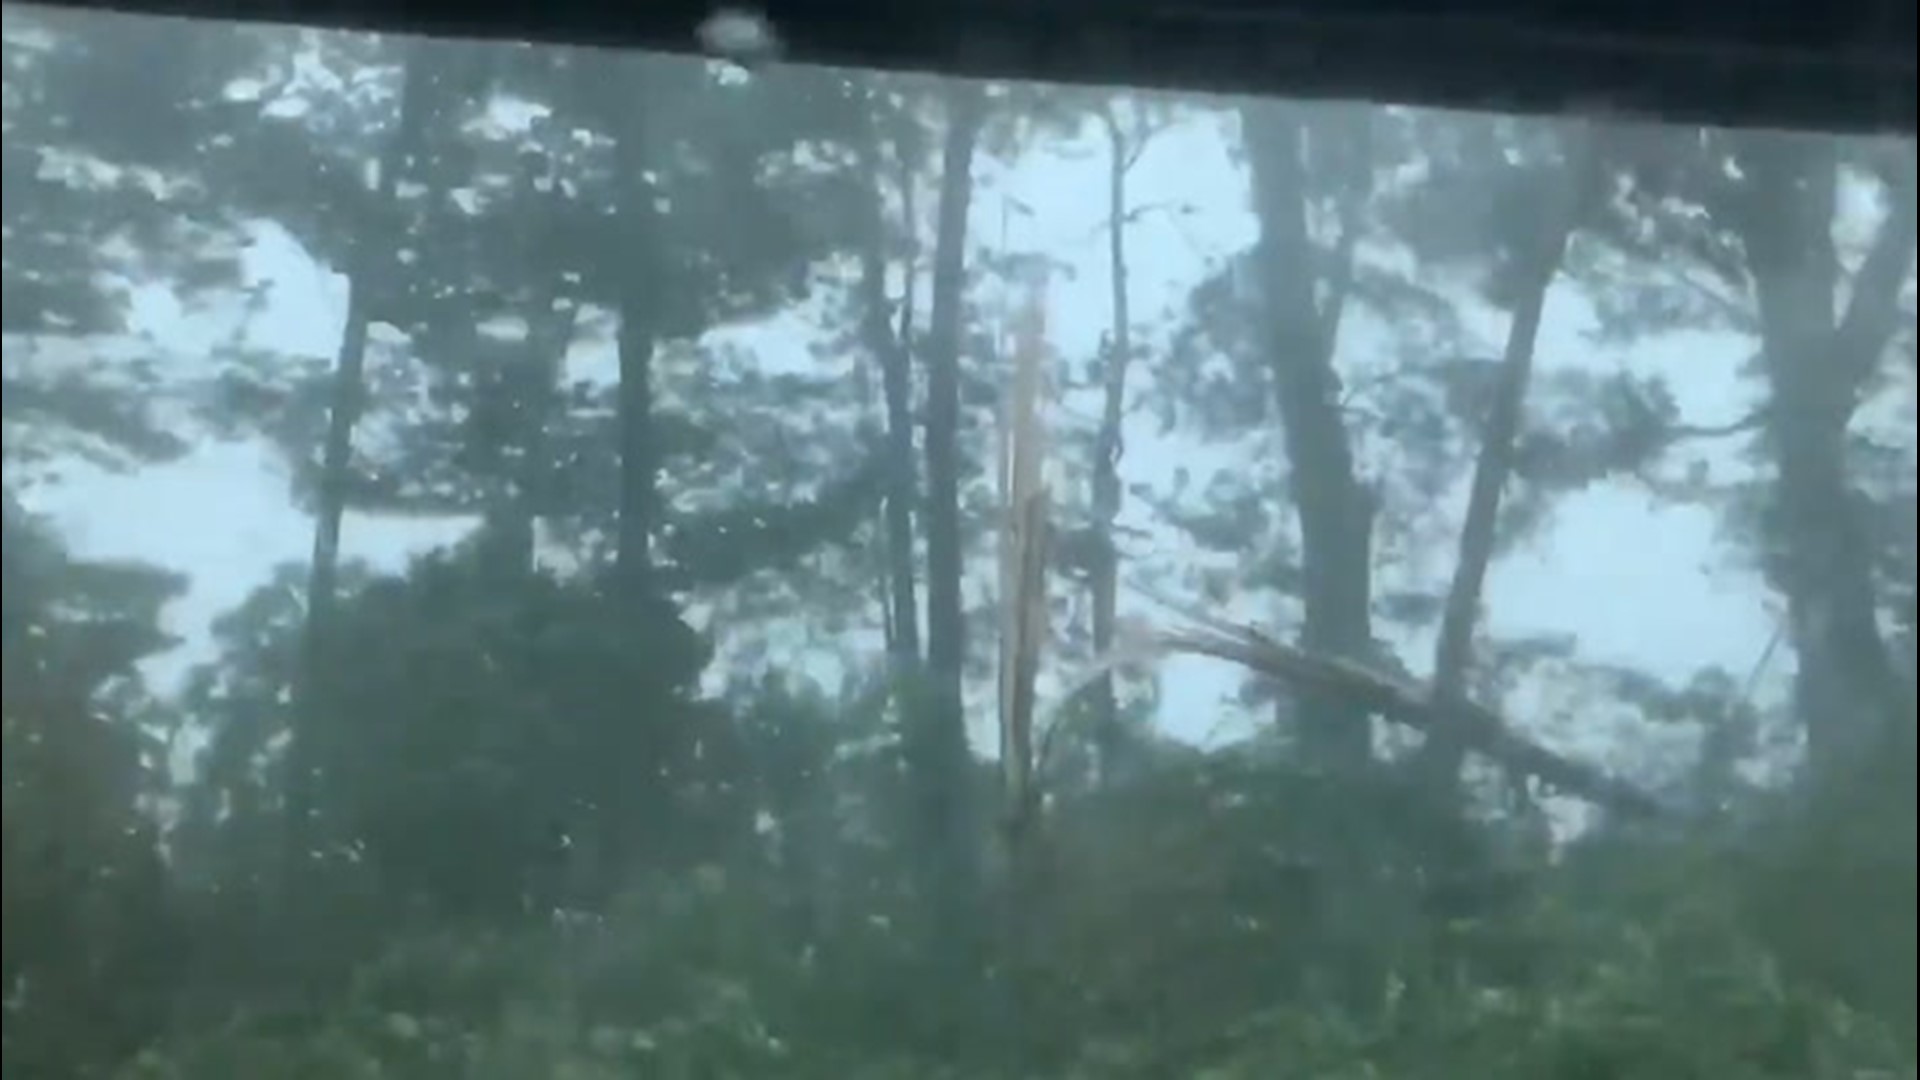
{"x":530,"y":561}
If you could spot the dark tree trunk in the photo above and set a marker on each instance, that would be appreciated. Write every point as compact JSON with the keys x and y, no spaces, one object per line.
{"x":528,"y":393}
{"x":638,"y":336}
{"x":1108,"y":737}
{"x":890,"y":347}
{"x":1453,"y":656}
{"x":939,"y":759}
{"x":1335,"y":510}
{"x":636,"y":298}
{"x":1848,"y":691}
{"x":367,"y":271}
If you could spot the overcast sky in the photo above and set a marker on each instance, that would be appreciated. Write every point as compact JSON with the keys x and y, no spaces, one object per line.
{"x":1637,"y":583}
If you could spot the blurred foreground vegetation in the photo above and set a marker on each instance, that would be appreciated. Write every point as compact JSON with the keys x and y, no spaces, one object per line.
{"x":670,"y":766}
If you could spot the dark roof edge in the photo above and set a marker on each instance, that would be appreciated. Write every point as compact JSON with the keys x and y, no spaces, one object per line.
{"x":1829,"y":70}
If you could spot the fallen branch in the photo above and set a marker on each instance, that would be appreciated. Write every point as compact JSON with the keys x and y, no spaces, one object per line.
{"x":1479,"y":728}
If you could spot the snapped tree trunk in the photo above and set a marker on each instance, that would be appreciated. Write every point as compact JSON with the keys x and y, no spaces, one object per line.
{"x":1024,"y":536}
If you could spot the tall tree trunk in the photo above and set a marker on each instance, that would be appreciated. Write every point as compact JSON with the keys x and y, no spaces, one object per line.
{"x":636,"y":301}
{"x":524,"y":497}
{"x":1445,"y":748}
{"x":1854,"y":700}
{"x":939,"y":758}
{"x":1107,"y":450}
{"x":1335,"y":511}
{"x":529,"y":395}
{"x":1848,"y":691}
{"x":368,"y":267}
{"x":890,"y":347}
{"x":638,"y":336}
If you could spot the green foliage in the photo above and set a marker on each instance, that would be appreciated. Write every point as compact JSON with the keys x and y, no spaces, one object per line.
{"x":86,"y":897}
{"x":1634,"y":958}
{"x":455,"y":707}
{"x":623,"y":784}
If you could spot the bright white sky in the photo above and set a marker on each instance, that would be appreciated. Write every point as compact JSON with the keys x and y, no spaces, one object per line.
{"x":1638,"y":584}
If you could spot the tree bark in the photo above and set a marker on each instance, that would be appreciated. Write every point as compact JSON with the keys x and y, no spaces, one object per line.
{"x":891,"y":348}
{"x":1334,"y":510}
{"x":1848,"y":691}
{"x":1106,"y":455}
{"x":367,"y":274}
{"x":528,"y":392}
{"x":636,"y":341}
{"x":638,"y":306}
{"x":1445,"y":748}
{"x":938,"y":745}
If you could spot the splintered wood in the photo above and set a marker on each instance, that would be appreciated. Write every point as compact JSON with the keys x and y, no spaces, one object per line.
{"x":1023,"y":549}
{"x":1024,"y":535}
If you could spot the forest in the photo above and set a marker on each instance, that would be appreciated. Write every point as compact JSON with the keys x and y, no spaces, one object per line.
{"x":770,"y":596}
